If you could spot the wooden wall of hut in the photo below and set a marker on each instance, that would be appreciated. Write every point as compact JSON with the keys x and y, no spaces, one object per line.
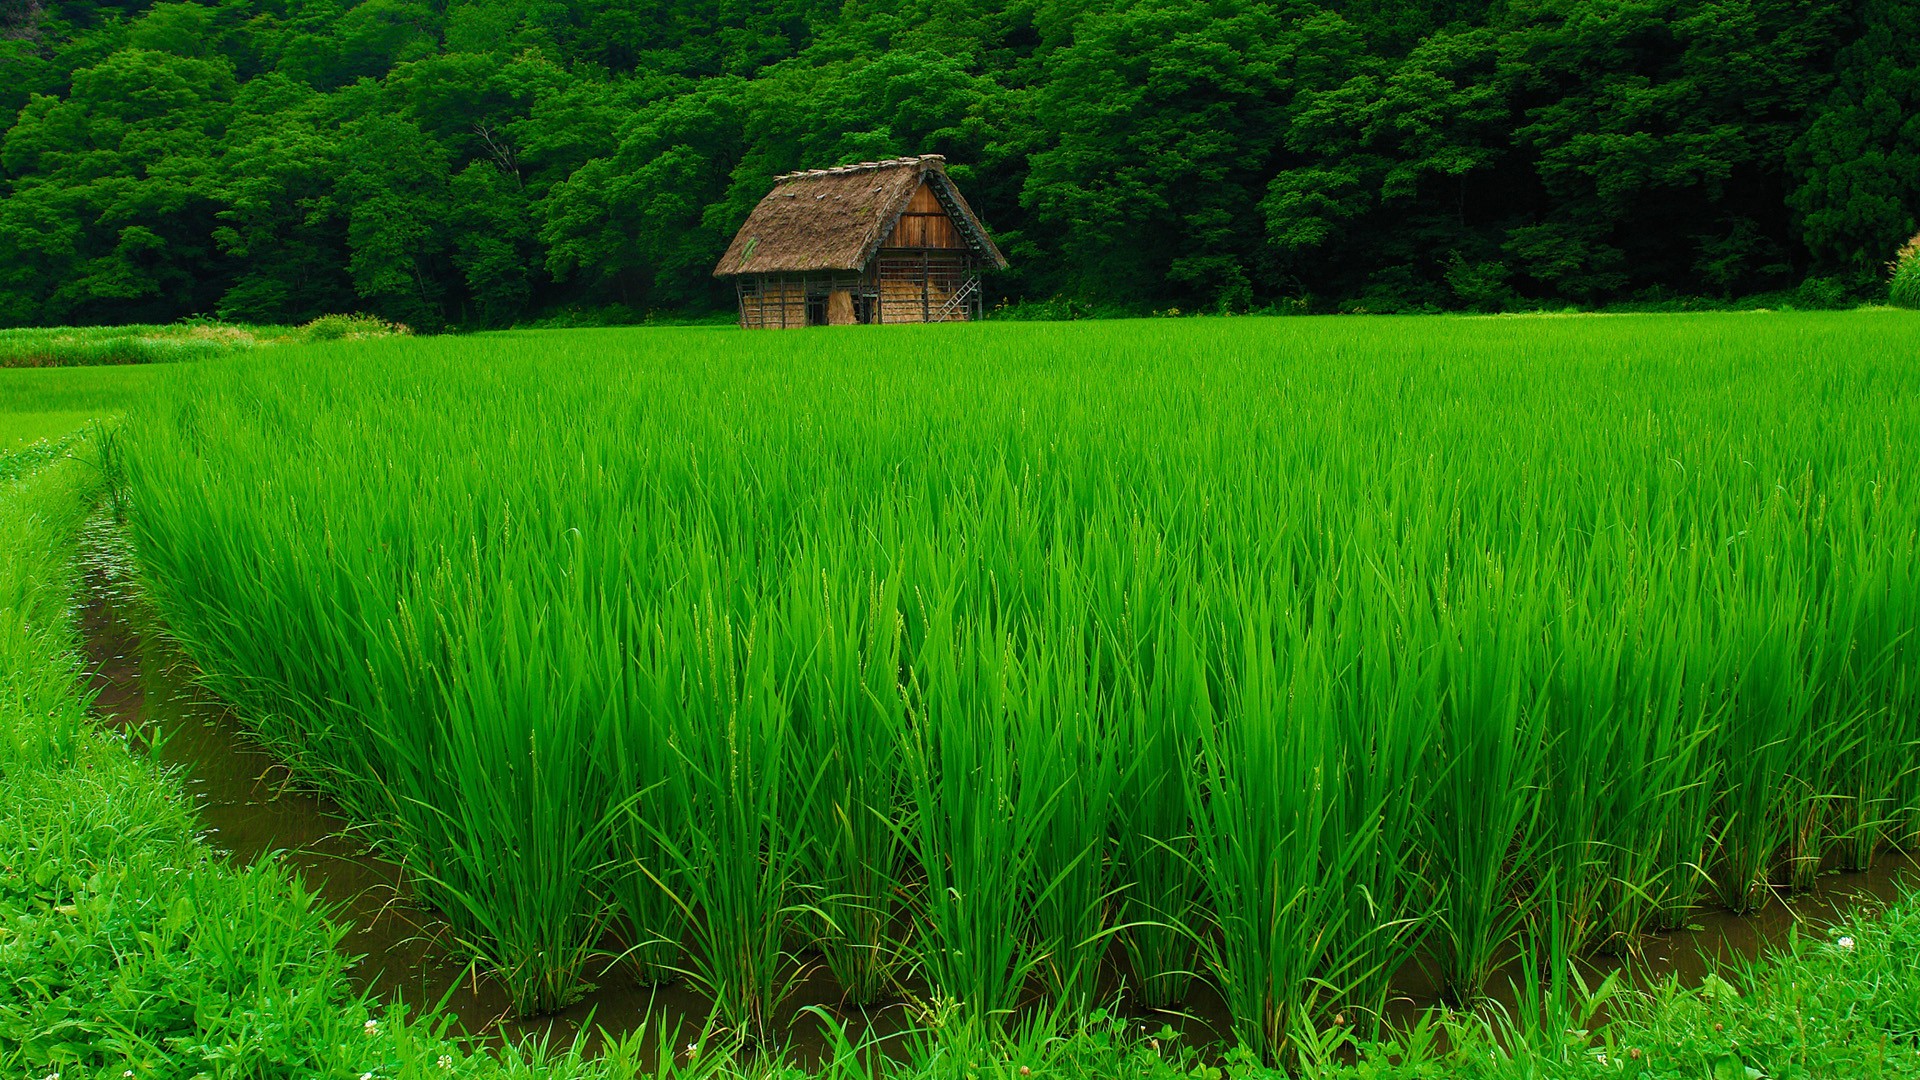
{"x":920,"y":286}
{"x":773,"y":303}
{"x":925,"y":224}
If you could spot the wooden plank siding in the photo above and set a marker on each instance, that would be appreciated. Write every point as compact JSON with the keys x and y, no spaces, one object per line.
{"x":925,"y":224}
{"x":918,"y":285}
{"x":770,"y":303}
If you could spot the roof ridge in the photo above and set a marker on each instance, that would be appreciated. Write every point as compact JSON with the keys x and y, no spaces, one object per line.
{"x":863,"y":166}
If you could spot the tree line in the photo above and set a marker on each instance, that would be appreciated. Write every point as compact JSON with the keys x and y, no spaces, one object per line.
{"x":487,"y":162}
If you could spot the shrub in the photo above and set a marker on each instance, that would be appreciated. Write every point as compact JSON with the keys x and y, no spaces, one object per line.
{"x":1821,"y":294}
{"x":1905,"y":289}
{"x":351,"y":328}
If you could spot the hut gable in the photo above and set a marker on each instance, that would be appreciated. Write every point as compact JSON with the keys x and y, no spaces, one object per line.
{"x":925,"y":223}
{"x":836,"y":219}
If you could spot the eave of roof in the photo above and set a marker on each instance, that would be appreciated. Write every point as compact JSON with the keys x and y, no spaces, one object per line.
{"x":835,"y":219}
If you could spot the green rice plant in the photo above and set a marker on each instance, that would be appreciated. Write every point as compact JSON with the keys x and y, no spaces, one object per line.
{"x":973,"y":826}
{"x":637,"y":757}
{"x":1162,"y":707}
{"x":517,"y":822}
{"x":1661,"y":873}
{"x":1877,"y":679}
{"x":739,"y":859}
{"x":830,"y":650}
{"x":1585,"y":802}
{"x":1488,"y":766}
{"x":1554,"y":1007}
{"x":1837,"y":719}
{"x":1630,"y":788}
{"x":1068,"y":757}
{"x":852,"y":731}
{"x":1757,"y":748}
{"x":1389,"y":724}
{"x":1665,"y":780}
{"x":1280,"y":840}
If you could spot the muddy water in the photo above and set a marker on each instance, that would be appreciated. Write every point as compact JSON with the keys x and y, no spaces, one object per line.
{"x":252,"y":809}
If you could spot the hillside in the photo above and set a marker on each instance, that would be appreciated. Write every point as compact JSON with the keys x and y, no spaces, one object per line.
{"x":487,"y":162}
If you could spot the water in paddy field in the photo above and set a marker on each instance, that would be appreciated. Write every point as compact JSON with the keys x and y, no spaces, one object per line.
{"x":251,"y":807}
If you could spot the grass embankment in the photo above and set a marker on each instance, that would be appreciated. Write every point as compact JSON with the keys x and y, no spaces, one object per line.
{"x":92,"y":346}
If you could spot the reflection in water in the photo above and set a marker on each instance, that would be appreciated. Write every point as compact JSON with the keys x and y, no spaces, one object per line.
{"x":252,"y":808}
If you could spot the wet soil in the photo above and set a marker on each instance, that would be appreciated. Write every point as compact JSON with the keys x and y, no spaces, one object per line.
{"x":253,"y":808}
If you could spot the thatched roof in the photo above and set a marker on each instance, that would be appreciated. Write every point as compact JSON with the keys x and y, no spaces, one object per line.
{"x":834,"y":219}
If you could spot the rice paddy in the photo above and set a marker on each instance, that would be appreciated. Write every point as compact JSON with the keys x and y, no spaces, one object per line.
{"x":997,"y":666}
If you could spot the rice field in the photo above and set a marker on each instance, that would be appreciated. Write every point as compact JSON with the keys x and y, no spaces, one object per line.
{"x":997,"y":666}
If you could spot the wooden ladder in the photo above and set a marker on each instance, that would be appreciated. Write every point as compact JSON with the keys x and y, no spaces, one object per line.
{"x":959,"y":300}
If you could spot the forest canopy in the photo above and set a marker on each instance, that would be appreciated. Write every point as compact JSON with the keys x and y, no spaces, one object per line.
{"x":486,"y":162}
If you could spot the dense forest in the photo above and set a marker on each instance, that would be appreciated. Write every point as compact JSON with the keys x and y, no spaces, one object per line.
{"x":485,"y":162}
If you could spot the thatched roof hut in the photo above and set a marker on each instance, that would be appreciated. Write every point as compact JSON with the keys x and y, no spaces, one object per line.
{"x":881,"y":241}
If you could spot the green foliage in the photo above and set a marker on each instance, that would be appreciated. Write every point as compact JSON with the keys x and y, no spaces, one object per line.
{"x":491,"y":162}
{"x":1904,"y":290}
{"x":1856,"y":163}
{"x":350,"y":328}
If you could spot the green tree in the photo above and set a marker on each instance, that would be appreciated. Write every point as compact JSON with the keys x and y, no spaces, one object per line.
{"x":1163,"y":119}
{"x":280,"y":221}
{"x":639,"y":226}
{"x":1856,"y":166}
{"x":109,"y":209}
{"x":394,"y":187}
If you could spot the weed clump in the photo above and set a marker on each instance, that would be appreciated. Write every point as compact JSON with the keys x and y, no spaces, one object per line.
{"x":355,"y":327}
{"x":1904,"y":291}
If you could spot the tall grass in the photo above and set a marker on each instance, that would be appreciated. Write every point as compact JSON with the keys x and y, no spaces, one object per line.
{"x":974,"y":823}
{"x":1162,"y":708}
{"x":1291,"y":654}
{"x":742,"y":849}
{"x":850,"y":717}
{"x":1904,"y":288}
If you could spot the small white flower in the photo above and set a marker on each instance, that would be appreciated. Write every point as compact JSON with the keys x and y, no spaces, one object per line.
{"x":372,"y":1027}
{"x":446,"y":1061}
{"x":366,"y":1076}
{"x":1845,"y":942}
